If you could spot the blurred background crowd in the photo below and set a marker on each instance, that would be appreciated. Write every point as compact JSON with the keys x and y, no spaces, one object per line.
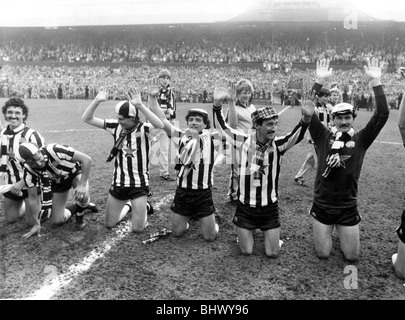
{"x":36,"y":63}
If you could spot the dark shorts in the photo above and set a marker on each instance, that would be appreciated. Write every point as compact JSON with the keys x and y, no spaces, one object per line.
{"x":342,"y":216}
{"x":196,"y":203}
{"x":128,"y":193}
{"x":11,"y":196}
{"x":66,"y":184}
{"x":251,"y":218}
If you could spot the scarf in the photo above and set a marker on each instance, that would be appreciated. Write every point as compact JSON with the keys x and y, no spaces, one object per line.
{"x":45,"y":184}
{"x":256,"y":167}
{"x":118,"y":144}
{"x":333,"y":160}
{"x":192,"y":149}
{"x":165,"y":102}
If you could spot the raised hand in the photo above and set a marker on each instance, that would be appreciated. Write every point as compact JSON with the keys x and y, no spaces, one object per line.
{"x":102,"y":96}
{"x":153,"y":87}
{"x":373,"y":71}
{"x":231,"y":91}
{"x":307,"y":108}
{"x":220,"y":94}
{"x":322,"y":70}
{"x":134,"y":96}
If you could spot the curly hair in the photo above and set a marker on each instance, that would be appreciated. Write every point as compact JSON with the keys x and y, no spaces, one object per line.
{"x":16,"y":102}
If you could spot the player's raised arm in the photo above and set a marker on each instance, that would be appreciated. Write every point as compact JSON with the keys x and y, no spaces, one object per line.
{"x":88,"y":115}
{"x":135,"y":98}
{"x":401,"y":120}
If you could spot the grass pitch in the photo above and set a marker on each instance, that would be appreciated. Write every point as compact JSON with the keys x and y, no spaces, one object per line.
{"x":101,"y":263}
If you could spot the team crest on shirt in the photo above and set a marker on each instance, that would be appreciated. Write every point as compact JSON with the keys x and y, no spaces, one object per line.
{"x":350,"y":144}
{"x":129,"y":153}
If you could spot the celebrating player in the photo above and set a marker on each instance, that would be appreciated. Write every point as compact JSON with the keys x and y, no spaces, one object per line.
{"x":341,"y":151}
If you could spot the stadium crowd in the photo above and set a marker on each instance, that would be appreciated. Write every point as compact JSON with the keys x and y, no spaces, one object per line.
{"x":276,"y":50}
{"x":191,"y":83}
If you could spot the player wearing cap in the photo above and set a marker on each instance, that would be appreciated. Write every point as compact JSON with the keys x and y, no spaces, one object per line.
{"x":239,"y":118}
{"x":398,"y":259}
{"x":197,"y":150}
{"x":16,"y":131}
{"x":311,"y":159}
{"x":167,"y":103}
{"x":260,"y":153}
{"x":130,"y":154}
{"x":55,"y":169}
{"x":341,"y":151}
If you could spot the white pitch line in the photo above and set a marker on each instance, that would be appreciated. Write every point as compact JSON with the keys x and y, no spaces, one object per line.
{"x":57,"y":282}
{"x":388,"y":142}
{"x":286,"y":108}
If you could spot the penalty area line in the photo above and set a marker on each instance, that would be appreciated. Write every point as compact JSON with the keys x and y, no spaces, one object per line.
{"x":53,"y":282}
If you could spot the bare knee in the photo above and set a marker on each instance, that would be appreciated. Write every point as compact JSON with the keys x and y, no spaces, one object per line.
{"x":246,"y":251}
{"x":210,"y":237}
{"x":178,"y":232}
{"x":58,"y":221}
{"x":179,"y":229}
{"x":273,"y":253}
{"x":399,"y":273}
{"x":322,"y":255}
{"x":110,"y":223}
{"x":11,"y":219}
{"x":138,"y":229}
{"x":211,"y":234}
{"x":351,"y":257}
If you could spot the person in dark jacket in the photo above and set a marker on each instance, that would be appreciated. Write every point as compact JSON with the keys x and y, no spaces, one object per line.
{"x":341,"y":152}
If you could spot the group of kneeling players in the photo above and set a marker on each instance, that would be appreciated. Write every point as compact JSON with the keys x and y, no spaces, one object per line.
{"x":39,"y":176}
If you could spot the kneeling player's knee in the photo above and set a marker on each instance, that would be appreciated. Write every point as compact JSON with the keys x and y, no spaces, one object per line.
{"x":110,"y":223}
{"x":351,"y":257}
{"x":138,"y":229}
{"x":273,"y":253}
{"x":246,"y":251}
{"x":11,"y":219}
{"x":178,"y":232}
{"x":58,"y":221}
{"x":399,"y":273}
{"x":209,"y":237}
{"x":322,"y":254}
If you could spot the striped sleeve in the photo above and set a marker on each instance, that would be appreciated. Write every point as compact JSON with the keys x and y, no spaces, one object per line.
{"x":232,"y":136}
{"x":286,"y":142}
{"x":35,"y":137}
{"x":60,"y":152}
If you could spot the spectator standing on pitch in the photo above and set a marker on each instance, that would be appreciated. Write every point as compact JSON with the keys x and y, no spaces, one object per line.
{"x":55,"y":169}
{"x":341,"y":151}
{"x":197,"y":151}
{"x":398,"y":258}
{"x":239,"y":118}
{"x":11,"y":168}
{"x":260,"y":153}
{"x":60,"y":92}
{"x":167,"y":103}
{"x":86,"y":92}
{"x":311,"y":159}
{"x":130,"y":184}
